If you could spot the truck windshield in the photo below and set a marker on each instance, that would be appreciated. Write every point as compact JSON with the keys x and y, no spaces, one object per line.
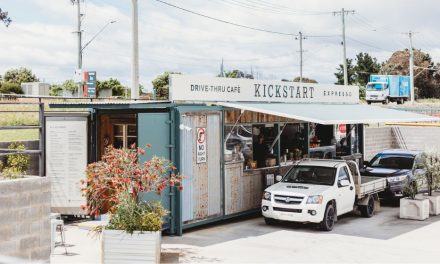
{"x":311,"y":175}
{"x":374,"y":86}
{"x":392,"y":161}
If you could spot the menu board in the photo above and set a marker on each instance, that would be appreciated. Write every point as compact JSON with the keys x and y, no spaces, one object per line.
{"x":66,"y":161}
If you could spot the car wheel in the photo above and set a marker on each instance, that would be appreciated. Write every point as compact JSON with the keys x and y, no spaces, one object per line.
{"x":368,"y":210}
{"x":328,"y":222}
{"x":270,"y":221}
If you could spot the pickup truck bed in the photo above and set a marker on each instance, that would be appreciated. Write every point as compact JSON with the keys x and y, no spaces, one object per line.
{"x":366,"y":185}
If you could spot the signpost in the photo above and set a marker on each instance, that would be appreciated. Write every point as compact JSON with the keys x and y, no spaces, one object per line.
{"x":201,"y":145}
{"x":90,"y":84}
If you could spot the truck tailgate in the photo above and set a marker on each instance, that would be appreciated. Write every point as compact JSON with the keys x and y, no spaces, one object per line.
{"x":370,"y":185}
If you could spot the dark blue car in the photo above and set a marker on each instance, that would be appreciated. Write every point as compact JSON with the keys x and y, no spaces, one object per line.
{"x":397,"y":165}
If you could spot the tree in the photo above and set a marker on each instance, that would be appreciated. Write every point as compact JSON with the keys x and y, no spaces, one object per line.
{"x":426,"y":81}
{"x":68,"y":85}
{"x":351,"y":76}
{"x":238,"y":74}
{"x":161,"y":85}
{"x":10,"y":88}
{"x":19,"y":76}
{"x":365,"y":65}
{"x":5,"y":18}
{"x":304,"y":80}
{"x":55,"y":90}
{"x":113,"y":84}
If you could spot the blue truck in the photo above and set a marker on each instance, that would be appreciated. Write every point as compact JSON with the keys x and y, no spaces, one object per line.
{"x":388,"y":88}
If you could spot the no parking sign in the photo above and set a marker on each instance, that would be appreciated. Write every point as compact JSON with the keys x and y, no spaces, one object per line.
{"x":201,"y":145}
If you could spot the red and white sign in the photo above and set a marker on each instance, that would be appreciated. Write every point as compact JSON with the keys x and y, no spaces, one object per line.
{"x":201,"y":145}
{"x":342,"y":128}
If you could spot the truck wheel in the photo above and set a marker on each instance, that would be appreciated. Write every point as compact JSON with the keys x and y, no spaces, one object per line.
{"x":386,"y":101}
{"x":369,"y":102}
{"x":270,"y":221}
{"x":368,"y":210}
{"x":328,"y":222}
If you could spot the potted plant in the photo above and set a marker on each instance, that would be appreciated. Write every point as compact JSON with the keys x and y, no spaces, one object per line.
{"x":429,"y":169}
{"x":113,"y":185}
{"x":412,"y":207}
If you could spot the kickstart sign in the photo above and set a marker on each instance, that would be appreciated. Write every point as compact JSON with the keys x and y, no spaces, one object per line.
{"x":196,"y":88}
{"x":201,"y":145}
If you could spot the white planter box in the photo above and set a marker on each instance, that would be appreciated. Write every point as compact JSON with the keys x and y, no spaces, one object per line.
{"x":120,"y":247}
{"x":434,"y":203}
{"x":417,"y":209}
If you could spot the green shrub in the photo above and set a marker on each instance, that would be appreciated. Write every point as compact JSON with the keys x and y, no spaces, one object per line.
{"x":16,"y":164}
{"x":133,"y":216}
{"x":10,"y":88}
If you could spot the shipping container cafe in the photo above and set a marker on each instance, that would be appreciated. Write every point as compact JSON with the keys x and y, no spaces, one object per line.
{"x":228,"y":137}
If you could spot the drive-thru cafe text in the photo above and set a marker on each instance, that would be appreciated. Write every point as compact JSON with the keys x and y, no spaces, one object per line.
{"x":229,"y":137}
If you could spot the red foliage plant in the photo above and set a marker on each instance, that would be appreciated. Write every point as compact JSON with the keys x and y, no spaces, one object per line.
{"x":119,"y":171}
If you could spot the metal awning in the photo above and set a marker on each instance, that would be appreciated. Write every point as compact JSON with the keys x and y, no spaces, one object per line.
{"x":328,"y":114}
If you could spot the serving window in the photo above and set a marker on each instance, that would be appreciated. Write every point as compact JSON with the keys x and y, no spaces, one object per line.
{"x":261,"y":141}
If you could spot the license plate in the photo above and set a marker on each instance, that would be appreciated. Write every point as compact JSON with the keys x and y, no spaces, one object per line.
{"x":398,"y":194}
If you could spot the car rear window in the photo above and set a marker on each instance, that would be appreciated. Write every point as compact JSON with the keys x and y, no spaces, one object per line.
{"x":392,"y":161}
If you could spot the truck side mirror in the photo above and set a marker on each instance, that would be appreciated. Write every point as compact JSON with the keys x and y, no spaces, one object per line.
{"x":344,"y":183}
{"x":278,"y":178}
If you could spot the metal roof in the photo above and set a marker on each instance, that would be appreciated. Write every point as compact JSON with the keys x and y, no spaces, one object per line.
{"x":328,"y":114}
{"x":107,"y":104}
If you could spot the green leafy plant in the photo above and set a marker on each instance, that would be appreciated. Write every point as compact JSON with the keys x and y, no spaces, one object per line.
{"x":16,"y":164}
{"x":133,"y":216}
{"x":430,"y":163}
{"x":114,"y":184}
{"x":410,"y":190}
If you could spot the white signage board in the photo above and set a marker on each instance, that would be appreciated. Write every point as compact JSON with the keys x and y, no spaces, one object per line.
{"x":201,"y":145}
{"x":199,"y":88}
{"x":66,"y":161}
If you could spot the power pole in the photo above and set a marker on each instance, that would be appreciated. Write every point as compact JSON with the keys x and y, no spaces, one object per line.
{"x":301,"y":37}
{"x":79,"y":33}
{"x":222,"y":70}
{"x":411,"y":66}
{"x":343,"y":12}
{"x":135,"y":52}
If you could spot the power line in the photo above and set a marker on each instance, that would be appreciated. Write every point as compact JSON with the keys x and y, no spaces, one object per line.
{"x":366,"y":44}
{"x":241,"y":25}
{"x":224,"y":21}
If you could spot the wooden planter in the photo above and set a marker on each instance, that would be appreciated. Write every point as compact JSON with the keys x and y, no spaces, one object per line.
{"x":120,"y":247}
{"x":417,"y":209}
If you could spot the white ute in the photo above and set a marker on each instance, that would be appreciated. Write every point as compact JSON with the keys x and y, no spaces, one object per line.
{"x":317,"y":191}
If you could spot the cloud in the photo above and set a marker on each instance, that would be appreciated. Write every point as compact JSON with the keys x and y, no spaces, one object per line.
{"x":173,"y":40}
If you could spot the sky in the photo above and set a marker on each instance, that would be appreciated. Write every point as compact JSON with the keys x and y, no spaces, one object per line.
{"x":41,"y":36}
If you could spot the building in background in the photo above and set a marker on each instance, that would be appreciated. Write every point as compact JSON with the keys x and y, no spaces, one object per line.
{"x":35,"y":88}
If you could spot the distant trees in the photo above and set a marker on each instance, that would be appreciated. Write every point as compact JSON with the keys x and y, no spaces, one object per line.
{"x":238,"y":74}
{"x":161,"y":85}
{"x":10,"y":88}
{"x":365,"y":65}
{"x":19,"y":76}
{"x":5,"y":18}
{"x":350,"y":73}
{"x":113,"y":84}
{"x":304,"y":80}
{"x":11,"y":81}
{"x":68,"y":85}
{"x":426,"y":72}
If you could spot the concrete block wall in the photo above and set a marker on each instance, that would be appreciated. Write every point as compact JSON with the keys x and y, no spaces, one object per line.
{"x":421,"y":138}
{"x":378,"y":139}
{"x":24,"y":218}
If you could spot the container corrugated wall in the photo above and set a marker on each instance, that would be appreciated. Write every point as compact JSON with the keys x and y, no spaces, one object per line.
{"x":202,"y":194}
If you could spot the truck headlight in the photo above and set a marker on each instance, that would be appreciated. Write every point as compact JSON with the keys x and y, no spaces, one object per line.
{"x":266,"y":196}
{"x":397,"y":178}
{"x":314,"y":199}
